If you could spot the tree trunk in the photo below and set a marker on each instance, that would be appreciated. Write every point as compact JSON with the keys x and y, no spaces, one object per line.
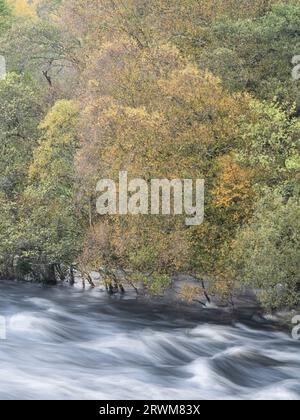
{"x":50,"y":277}
{"x":72,"y":278}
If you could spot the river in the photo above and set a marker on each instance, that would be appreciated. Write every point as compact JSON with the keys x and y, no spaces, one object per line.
{"x":67,"y":343}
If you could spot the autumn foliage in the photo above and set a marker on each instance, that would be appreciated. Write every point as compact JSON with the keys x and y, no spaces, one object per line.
{"x":160,"y":89}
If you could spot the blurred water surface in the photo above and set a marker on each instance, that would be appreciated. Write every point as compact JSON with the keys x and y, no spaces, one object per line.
{"x":66,"y":343}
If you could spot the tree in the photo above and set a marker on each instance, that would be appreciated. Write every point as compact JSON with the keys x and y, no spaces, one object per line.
{"x":5,"y":16}
{"x":20,"y":112}
{"x":256,"y":54}
{"x":266,"y":252}
{"x":42,"y":49}
{"x":23,"y":8}
{"x":50,"y":224}
{"x":271,"y":145}
{"x":156,"y":117}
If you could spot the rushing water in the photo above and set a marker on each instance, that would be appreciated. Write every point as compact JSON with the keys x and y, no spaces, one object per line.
{"x":65,"y":343}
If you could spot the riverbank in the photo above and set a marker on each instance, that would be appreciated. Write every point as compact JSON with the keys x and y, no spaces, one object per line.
{"x":243,"y":306}
{"x":188,"y":292}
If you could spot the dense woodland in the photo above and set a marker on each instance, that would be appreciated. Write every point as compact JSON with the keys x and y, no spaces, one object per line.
{"x":161,"y":89}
